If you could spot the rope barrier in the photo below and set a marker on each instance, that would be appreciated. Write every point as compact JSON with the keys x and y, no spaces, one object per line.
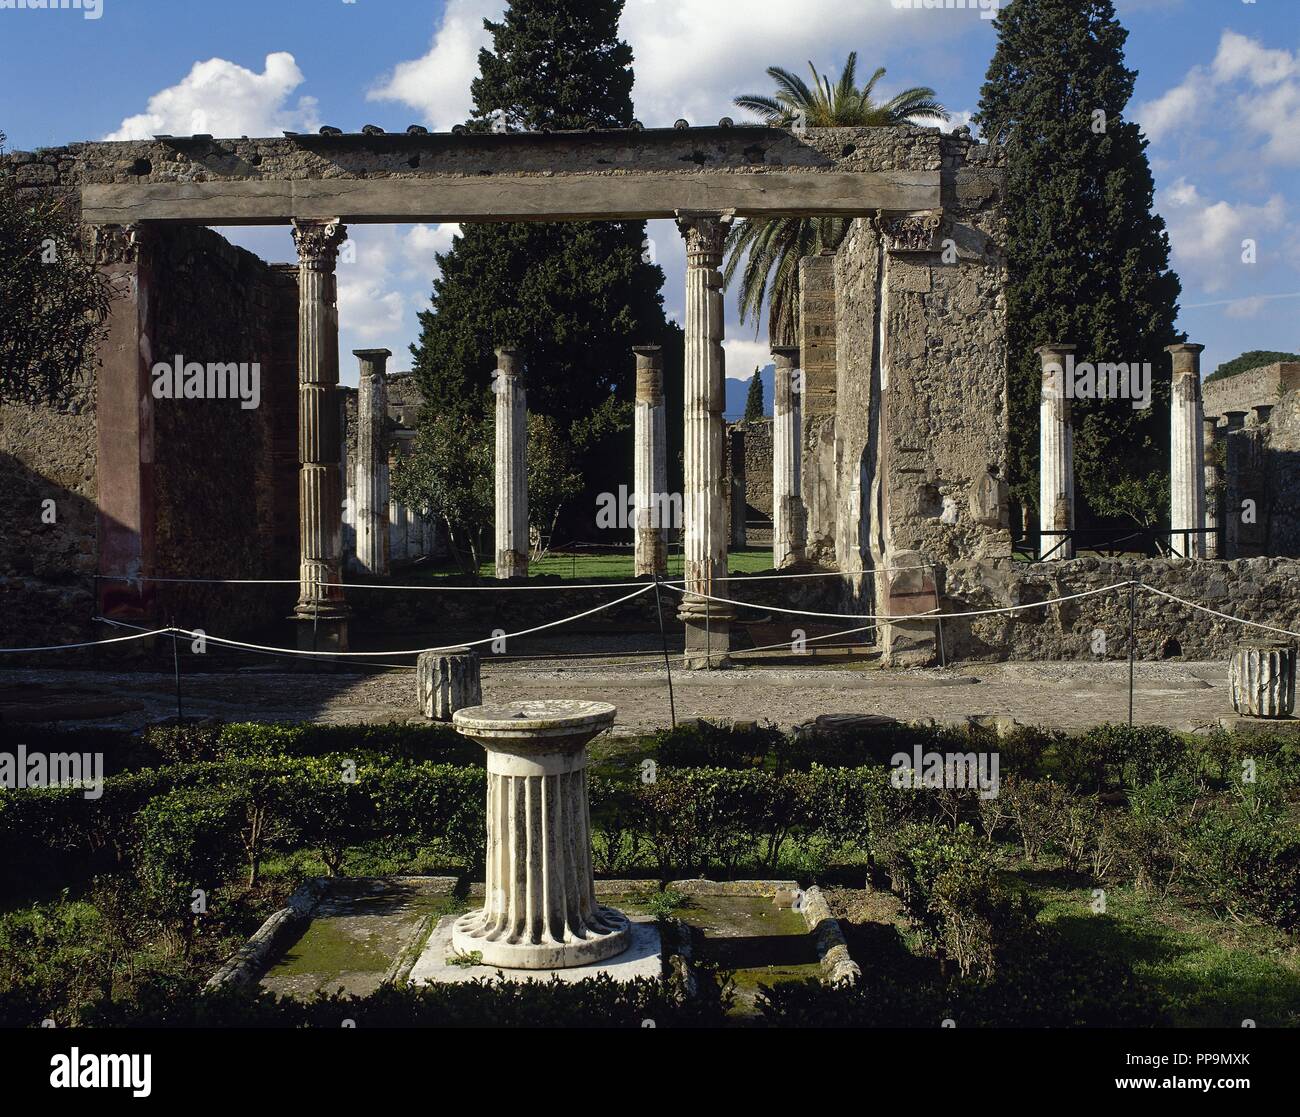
{"x":89,"y":643}
{"x":1216,"y":613}
{"x":929,"y":614}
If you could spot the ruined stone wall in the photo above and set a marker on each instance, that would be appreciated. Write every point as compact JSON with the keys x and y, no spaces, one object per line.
{"x":1262,"y":477}
{"x":758,"y":465}
{"x":1263,"y":385}
{"x":920,"y":428}
{"x":220,"y":509}
{"x":1264,"y":590}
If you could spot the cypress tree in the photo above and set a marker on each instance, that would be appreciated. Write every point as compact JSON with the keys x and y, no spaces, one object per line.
{"x":574,"y":296}
{"x":754,"y":399}
{"x":1088,"y":259}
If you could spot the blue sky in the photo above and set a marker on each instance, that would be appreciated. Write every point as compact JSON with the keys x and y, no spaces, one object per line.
{"x":1218,"y":93}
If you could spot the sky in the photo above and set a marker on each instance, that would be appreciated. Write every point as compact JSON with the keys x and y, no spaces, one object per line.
{"x":1218,"y":96}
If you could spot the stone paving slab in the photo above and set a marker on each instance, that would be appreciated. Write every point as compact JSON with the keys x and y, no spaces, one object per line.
{"x":642,"y":959}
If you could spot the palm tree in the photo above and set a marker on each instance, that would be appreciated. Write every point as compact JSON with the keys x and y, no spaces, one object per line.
{"x":771,"y":248}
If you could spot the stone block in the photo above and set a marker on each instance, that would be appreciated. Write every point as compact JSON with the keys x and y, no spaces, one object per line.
{"x":447,"y":681}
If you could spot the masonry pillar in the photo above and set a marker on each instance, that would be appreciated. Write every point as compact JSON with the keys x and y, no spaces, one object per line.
{"x":320,"y":607}
{"x":650,"y":463}
{"x":1055,"y":457}
{"x":124,"y":416}
{"x":708,"y":634}
{"x":787,"y":499}
{"x":1213,"y":488}
{"x":370,"y":475}
{"x":1186,"y":452}
{"x":820,"y":364}
{"x":736,"y":472}
{"x":511,"y":465}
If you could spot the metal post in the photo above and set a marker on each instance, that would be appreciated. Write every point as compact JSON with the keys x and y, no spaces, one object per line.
{"x":1132,"y":591}
{"x":663,"y":637}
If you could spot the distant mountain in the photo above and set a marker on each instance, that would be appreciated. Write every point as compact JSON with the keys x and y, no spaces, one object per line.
{"x":738,"y":390}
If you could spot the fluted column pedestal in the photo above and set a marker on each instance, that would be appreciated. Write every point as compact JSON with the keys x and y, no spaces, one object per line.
{"x":787,"y":500}
{"x":370,"y":476}
{"x":1186,"y":453}
{"x":540,"y":910}
{"x":511,"y":465}
{"x":650,"y":463}
{"x":1055,"y":457}
{"x":320,"y":606}
{"x":708,"y":622}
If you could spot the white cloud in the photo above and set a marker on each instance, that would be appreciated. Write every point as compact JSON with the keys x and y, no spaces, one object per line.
{"x":222,"y":98}
{"x":1207,"y":236}
{"x":744,"y":356}
{"x":437,"y":84}
{"x":691,"y":57}
{"x":1256,"y":86}
{"x":1246,"y":308}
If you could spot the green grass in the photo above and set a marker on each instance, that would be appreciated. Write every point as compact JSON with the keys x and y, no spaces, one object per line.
{"x":583,"y":566}
{"x":1214,"y":973}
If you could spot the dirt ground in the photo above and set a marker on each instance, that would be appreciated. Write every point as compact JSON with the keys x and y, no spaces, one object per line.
{"x":1182,"y":695}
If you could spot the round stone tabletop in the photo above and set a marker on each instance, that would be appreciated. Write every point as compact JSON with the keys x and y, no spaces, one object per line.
{"x":548,"y":717}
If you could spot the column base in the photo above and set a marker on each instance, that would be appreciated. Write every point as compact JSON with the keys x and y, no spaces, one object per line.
{"x":321,"y":633}
{"x":511,"y":564}
{"x":708,"y":634}
{"x":609,"y":934}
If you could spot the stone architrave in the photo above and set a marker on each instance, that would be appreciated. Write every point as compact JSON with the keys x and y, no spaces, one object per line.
{"x":650,"y":464}
{"x":447,"y":681}
{"x":1186,"y":453}
{"x":370,"y":472}
{"x":704,"y":610}
{"x":1055,"y":457}
{"x":1261,"y":677}
{"x":787,"y":422}
{"x":511,"y":465}
{"x":540,"y":910}
{"x":321,"y":606}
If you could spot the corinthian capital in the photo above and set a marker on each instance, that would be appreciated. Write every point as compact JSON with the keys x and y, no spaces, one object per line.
{"x":118,"y":244}
{"x":704,"y":233}
{"x":911,"y":232}
{"x":318,"y":241}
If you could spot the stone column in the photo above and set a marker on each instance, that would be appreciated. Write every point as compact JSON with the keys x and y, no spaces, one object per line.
{"x":708,"y":635}
{"x":511,"y":465}
{"x":1213,"y":488}
{"x":1055,"y":455}
{"x":1186,"y":452}
{"x":1261,"y":678}
{"x":540,"y":910}
{"x":736,"y":461}
{"x":787,"y":498}
{"x":370,"y":472}
{"x":125,"y":256}
{"x":320,"y":527}
{"x":650,"y":464}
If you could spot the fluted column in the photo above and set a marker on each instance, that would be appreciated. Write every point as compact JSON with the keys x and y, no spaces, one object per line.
{"x":320,"y":501}
{"x":787,"y":498}
{"x":736,"y":473}
{"x":370,"y":475}
{"x":708,"y":636}
{"x":1213,"y":487}
{"x":1055,"y":456}
{"x":1186,"y":452}
{"x":511,"y":465}
{"x":539,"y":903}
{"x":650,"y":463}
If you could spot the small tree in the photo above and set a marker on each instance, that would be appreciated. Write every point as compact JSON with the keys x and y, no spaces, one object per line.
{"x":53,"y":304}
{"x":754,"y":400}
{"x":552,"y":480}
{"x":449,"y":472}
